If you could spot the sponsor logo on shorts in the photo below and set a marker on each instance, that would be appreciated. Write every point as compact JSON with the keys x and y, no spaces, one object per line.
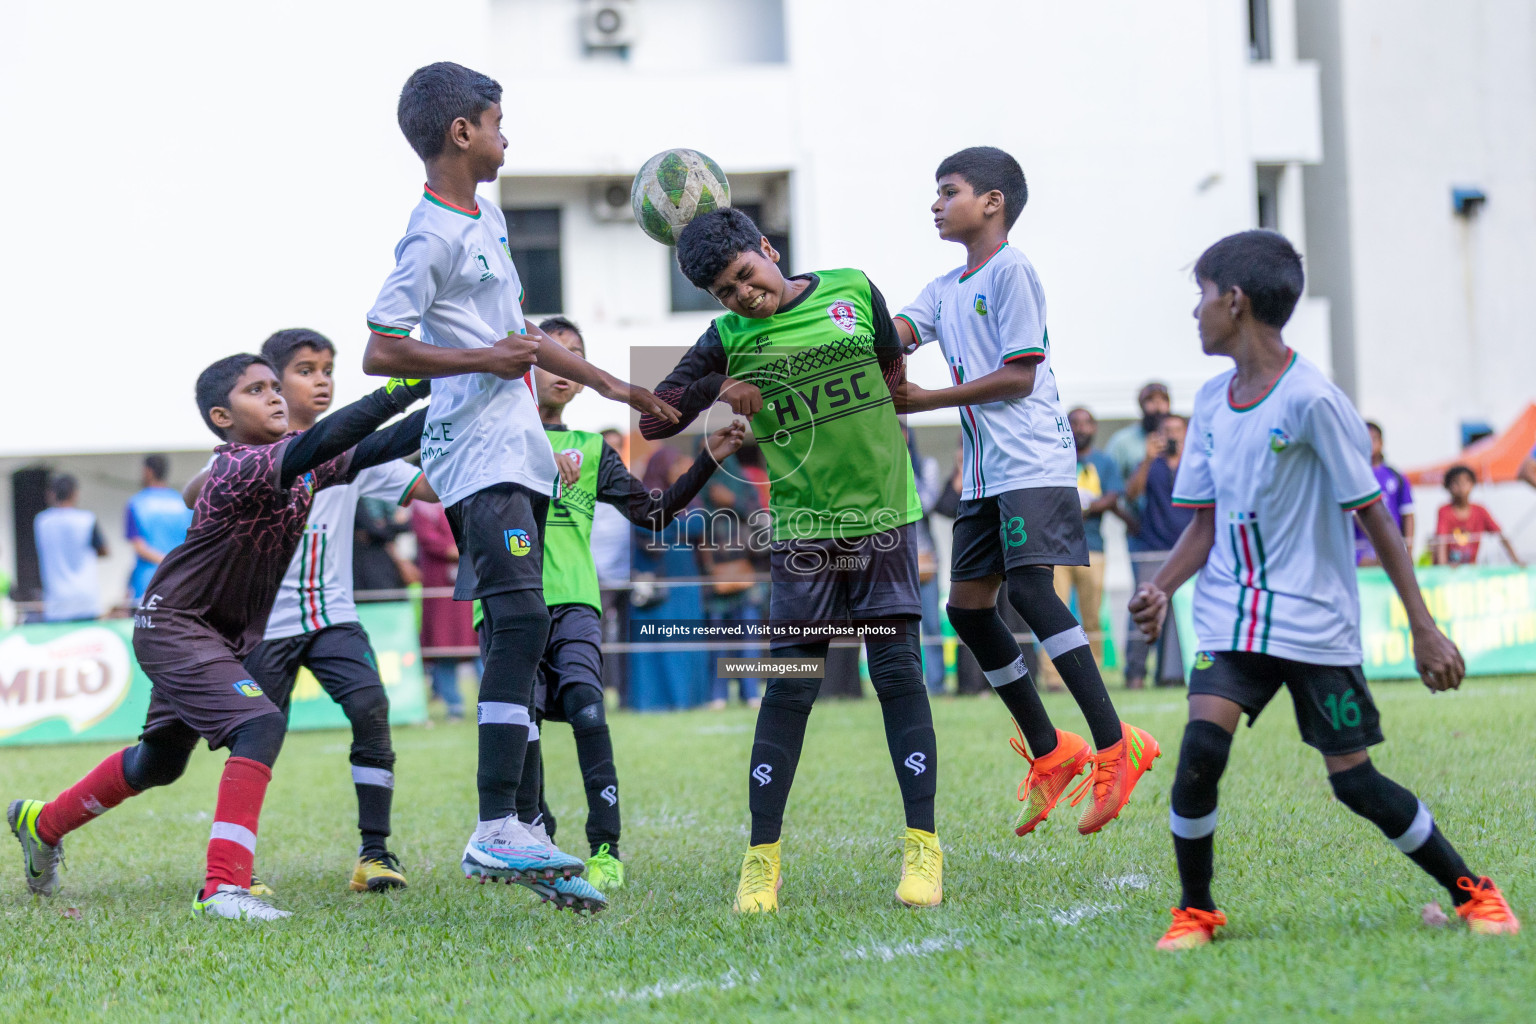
{"x":843,"y":315}
{"x":917,"y":762}
{"x":247,"y":688}
{"x":763,"y":773}
{"x":1279,"y":440}
{"x":517,"y":542}
{"x":981,"y":304}
{"x":1204,"y":659}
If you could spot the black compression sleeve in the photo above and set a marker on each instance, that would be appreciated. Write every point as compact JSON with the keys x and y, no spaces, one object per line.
{"x":621,"y":489}
{"x":395,"y":441}
{"x":691,"y":387}
{"x":340,"y":431}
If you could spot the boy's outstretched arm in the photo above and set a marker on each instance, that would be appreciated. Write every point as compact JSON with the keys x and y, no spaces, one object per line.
{"x":1149,"y":604}
{"x":696,"y":383}
{"x":400,"y":355}
{"x":1435,"y":656}
{"x":395,"y":441}
{"x":621,"y":489}
{"x":562,"y":362}
{"x":345,"y":427}
{"x":1015,"y":379}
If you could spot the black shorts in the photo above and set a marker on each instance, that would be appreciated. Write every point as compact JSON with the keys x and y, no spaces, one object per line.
{"x":207,"y":694}
{"x":1334,"y":709}
{"x":1030,"y":526}
{"x":572,"y":657}
{"x":860,"y":578}
{"x":500,"y":533}
{"x":340,"y":656}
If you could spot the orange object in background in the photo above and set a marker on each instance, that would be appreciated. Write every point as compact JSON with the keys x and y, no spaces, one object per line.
{"x":1495,"y":459}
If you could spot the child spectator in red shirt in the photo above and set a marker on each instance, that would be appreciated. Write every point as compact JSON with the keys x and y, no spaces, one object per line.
{"x":1461,"y":525}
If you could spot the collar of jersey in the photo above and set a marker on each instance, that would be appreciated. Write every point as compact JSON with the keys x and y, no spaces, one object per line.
{"x":994,"y":252}
{"x":815,"y":280}
{"x":1267,"y":391}
{"x":433,"y":197}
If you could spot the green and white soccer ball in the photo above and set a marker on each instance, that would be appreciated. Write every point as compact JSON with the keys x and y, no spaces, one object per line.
{"x":672,"y":188}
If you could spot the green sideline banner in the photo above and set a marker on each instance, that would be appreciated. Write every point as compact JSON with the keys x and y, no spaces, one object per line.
{"x":78,"y":682}
{"x":1489,"y":611}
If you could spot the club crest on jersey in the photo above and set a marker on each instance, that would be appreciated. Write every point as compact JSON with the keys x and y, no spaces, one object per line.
{"x":981,"y":304}
{"x":574,"y":454}
{"x":1204,"y":659}
{"x":517,"y":542}
{"x":505,"y":246}
{"x":843,"y":315}
{"x":247,"y":688}
{"x":479,"y":262}
{"x":1279,"y":440}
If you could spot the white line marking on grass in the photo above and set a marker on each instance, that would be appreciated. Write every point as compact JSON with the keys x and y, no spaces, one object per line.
{"x":1076,"y":915}
{"x":727,"y":981}
{"x":1134,"y":880}
{"x":927,"y":947}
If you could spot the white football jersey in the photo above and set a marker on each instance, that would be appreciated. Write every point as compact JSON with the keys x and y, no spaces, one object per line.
{"x":1284,"y":475}
{"x":317,"y":589}
{"x":454,"y":277}
{"x":983,"y":318}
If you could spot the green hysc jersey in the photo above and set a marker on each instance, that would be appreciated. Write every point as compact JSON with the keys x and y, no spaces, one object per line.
{"x":570,"y":574}
{"x":837,"y":462}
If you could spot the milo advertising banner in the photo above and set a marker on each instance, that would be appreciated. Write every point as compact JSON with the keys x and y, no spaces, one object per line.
{"x":78,"y":682}
{"x":1489,"y":611}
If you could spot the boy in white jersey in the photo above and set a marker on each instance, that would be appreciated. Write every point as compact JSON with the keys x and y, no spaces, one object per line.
{"x":1020,"y":515}
{"x":484,"y":449}
{"x":1277,"y":462}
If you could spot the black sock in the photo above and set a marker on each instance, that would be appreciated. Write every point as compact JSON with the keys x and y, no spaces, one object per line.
{"x":776,"y":747}
{"x":1404,"y":820}
{"x":1192,"y":801}
{"x":518,"y":623}
{"x":375,"y":793}
{"x":531,"y":785}
{"x":914,"y":754}
{"x":503,"y":750}
{"x":1032,"y":591}
{"x":984,"y":632}
{"x":594,"y":753}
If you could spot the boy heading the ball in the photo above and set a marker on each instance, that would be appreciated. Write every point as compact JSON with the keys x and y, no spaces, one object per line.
{"x":1278,"y":463}
{"x":484,"y":450}
{"x":1019,"y":515}
{"x":809,"y":359}
{"x":206,"y":608}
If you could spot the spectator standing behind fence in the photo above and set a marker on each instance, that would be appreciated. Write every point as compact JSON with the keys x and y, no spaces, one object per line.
{"x":445,"y":623}
{"x":1099,"y":488}
{"x":1127,"y":444}
{"x":155,"y":521}
{"x":1460,"y":526}
{"x":68,"y":543}
{"x":1159,"y":526}
{"x":1396,"y":498}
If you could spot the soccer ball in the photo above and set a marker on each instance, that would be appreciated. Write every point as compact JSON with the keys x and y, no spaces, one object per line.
{"x":672,"y":188}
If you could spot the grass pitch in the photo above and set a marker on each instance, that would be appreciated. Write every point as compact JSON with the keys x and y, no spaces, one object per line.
{"x":1055,"y":926}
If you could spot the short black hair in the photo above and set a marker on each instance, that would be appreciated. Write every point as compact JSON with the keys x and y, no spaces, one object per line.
{"x":158,"y":466}
{"x":1264,"y":265}
{"x":434,"y":96}
{"x":280,"y":349}
{"x":712,"y":241}
{"x":215,"y":383}
{"x":561,"y":323}
{"x":985,"y":168}
{"x":1458,"y":470}
{"x":1373,"y":425}
{"x":63,"y":487}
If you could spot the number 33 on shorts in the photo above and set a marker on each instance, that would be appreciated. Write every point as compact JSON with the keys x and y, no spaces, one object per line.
{"x":1013,"y":532}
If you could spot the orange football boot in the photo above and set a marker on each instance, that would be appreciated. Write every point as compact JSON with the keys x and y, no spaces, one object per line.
{"x":1191,"y":928}
{"x":1116,"y":770}
{"x":1487,"y":912}
{"x":1049,"y":776}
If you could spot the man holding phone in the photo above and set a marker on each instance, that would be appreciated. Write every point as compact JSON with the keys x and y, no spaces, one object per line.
{"x":1160,"y":525}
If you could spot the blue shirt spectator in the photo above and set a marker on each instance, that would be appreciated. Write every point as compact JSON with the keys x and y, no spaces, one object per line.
{"x":155,"y":521}
{"x":68,"y":544}
{"x":1097,"y":475}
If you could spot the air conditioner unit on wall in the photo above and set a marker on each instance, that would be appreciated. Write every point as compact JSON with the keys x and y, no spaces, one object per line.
{"x":607,"y":24}
{"x":609,"y":200}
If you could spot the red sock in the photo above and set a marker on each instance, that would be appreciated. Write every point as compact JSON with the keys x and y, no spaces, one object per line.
{"x":100,"y":791}
{"x":232,"y":847}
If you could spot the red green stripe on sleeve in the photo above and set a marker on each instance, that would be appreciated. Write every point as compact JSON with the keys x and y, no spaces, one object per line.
{"x":394,"y":332}
{"x":917,"y":335}
{"x":1193,"y":502}
{"x":405,"y":495}
{"x":1359,"y":503}
{"x":1031,"y":353}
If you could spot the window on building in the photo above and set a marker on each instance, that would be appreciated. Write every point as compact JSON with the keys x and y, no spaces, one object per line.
{"x":1268,"y":211}
{"x":688,"y":299}
{"x":1258,"y":29}
{"x":533,"y":235}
